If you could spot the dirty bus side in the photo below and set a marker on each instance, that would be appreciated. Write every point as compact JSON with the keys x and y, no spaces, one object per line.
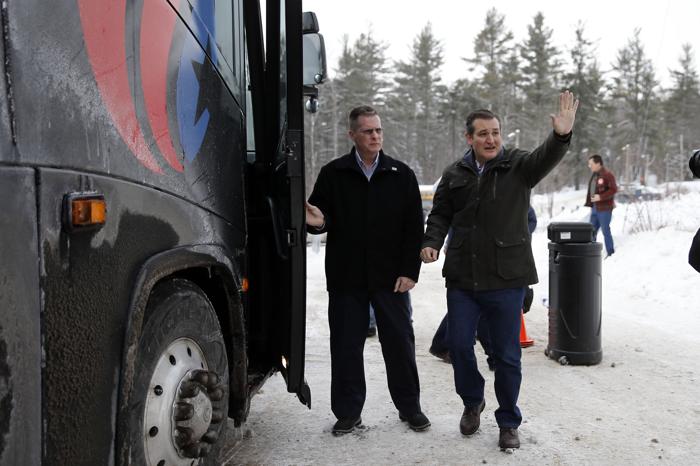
{"x":152,"y":273}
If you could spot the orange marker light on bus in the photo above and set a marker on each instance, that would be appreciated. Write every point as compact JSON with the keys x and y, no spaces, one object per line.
{"x":88,"y":212}
{"x":84,"y":211}
{"x":245,"y":284}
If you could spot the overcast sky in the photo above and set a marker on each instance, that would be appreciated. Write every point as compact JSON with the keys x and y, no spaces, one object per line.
{"x":664,"y":24}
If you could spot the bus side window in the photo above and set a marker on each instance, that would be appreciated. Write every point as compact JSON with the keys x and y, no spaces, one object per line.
{"x":218,"y":26}
{"x":227,"y":24}
{"x":250,"y":123}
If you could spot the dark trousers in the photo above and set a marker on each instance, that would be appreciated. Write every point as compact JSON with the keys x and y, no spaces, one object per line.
{"x":441,"y":342}
{"x":502,"y":310}
{"x":348,"y":320}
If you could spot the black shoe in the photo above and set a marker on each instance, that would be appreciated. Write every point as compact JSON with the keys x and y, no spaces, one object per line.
{"x":471,"y":418}
{"x":345,"y":426}
{"x":508,"y":438}
{"x":444,"y":355}
{"x":372,"y":331}
{"x":417,"y":421}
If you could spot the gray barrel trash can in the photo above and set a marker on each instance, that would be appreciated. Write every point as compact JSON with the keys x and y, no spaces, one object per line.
{"x":575,"y":294}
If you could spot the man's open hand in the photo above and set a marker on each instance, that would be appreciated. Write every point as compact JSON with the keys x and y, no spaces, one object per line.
{"x":563,"y":122}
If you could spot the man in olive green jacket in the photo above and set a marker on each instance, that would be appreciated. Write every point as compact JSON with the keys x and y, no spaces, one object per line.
{"x":484,"y":198}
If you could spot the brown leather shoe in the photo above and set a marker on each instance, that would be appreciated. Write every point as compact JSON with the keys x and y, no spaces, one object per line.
{"x":471,"y":418}
{"x":508,"y":438}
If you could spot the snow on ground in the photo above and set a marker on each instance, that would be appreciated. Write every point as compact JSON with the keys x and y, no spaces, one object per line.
{"x":638,"y":406}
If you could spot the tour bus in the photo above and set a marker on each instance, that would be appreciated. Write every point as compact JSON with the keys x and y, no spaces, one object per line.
{"x":153,"y":239}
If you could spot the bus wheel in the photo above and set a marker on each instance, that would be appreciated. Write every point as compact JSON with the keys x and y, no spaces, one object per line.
{"x":179,"y":401}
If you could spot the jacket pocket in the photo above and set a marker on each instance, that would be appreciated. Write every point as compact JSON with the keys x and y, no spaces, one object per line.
{"x":460,"y":189}
{"x":458,"y":183}
{"x":512,"y":257}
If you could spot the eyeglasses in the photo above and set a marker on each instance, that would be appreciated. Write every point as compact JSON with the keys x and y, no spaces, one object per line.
{"x":368,"y":132}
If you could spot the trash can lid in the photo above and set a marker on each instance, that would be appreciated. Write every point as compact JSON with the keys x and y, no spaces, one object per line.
{"x":570,"y":232}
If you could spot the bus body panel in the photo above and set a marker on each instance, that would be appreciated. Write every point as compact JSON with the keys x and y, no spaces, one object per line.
{"x":128,"y":89}
{"x":87,"y":281}
{"x":20,"y":321}
{"x":142,"y":102}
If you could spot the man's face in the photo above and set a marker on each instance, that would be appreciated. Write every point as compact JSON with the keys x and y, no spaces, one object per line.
{"x":595,"y":167}
{"x":368,"y":135}
{"x":486,"y":140}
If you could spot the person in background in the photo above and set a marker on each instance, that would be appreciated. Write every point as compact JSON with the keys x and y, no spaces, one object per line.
{"x":601,"y":199}
{"x":694,"y":252}
{"x":370,"y":206}
{"x":484,"y":199}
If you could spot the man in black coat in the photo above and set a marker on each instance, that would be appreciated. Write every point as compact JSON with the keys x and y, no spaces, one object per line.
{"x":370,"y":206}
{"x":484,"y":199}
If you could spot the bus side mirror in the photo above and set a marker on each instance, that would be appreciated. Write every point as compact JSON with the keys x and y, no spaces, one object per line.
{"x":309,"y":22}
{"x":314,"y":59}
{"x":314,"y":51}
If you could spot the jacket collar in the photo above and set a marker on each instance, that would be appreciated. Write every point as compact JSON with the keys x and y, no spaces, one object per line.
{"x":469,"y":161}
{"x":602,"y":172}
{"x":349,"y":162}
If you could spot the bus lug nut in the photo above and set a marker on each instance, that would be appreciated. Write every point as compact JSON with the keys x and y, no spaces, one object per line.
{"x":183,"y":436}
{"x":183,"y":411}
{"x":189,"y":389}
{"x":210,"y":437}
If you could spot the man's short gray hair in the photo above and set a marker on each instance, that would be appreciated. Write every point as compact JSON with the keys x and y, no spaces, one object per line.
{"x":357,"y":112}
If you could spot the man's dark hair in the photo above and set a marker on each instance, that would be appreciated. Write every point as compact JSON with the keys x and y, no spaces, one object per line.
{"x":481,"y":114}
{"x":357,"y":112}
{"x":596,"y":159}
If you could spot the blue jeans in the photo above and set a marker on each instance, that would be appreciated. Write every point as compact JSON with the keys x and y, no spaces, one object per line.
{"x":600,"y":219}
{"x":502,"y":309}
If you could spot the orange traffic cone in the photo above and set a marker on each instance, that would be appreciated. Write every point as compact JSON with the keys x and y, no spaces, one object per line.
{"x":524,"y":340}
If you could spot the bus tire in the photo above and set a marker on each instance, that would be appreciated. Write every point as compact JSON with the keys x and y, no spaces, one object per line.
{"x":179,"y":400}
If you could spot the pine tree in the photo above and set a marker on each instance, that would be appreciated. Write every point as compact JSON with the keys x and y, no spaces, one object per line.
{"x":681,"y":111}
{"x":415,"y":132}
{"x":461,"y":98}
{"x":540,"y":69}
{"x":512,"y":112}
{"x":492,"y":47}
{"x":585,"y":80}
{"x":635,"y":100}
{"x":361,"y":79}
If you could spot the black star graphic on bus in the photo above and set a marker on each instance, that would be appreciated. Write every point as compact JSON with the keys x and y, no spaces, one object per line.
{"x":209,"y":86}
